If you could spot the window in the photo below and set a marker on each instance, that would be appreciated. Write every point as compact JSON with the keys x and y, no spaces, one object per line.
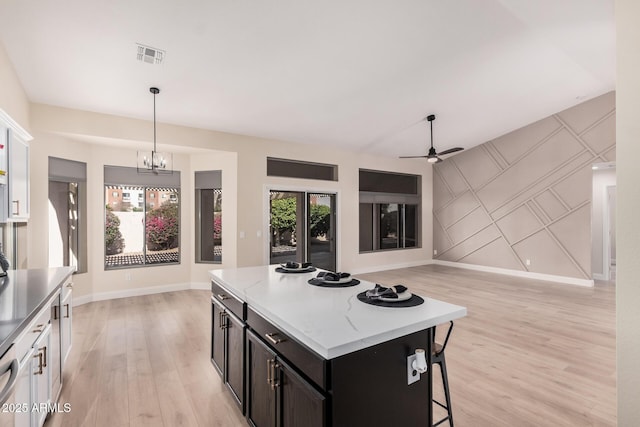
{"x":299,"y":169}
{"x":67,"y":210}
{"x":389,"y":211}
{"x":141,"y":234}
{"x":208,"y":216}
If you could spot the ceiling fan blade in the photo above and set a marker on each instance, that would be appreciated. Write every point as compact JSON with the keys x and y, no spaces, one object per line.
{"x":450,"y":150}
{"x":412,"y":157}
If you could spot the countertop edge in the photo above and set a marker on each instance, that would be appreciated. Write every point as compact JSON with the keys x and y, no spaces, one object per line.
{"x":340,"y":350}
{"x":6,"y":344}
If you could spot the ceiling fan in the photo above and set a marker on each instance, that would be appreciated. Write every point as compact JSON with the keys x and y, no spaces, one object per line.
{"x":432,"y":157}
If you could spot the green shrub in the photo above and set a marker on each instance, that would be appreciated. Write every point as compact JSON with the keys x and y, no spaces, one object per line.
{"x":114,"y":243}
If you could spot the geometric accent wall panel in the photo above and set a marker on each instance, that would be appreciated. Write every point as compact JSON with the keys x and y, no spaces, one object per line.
{"x":568,"y":232}
{"x":581,"y":117}
{"x":497,"y":253}
{"x":454,"y":181}
{"x":457,"y":209}
{"x":519,"y":224}
{"x":546,"y":256}
{"x":600,"y":137}
{"x":526,"y":195}
{"x":479,"y":167}
{"x":551,"y":205}
{"x":528,"y":137}
{"x":572,"y":190}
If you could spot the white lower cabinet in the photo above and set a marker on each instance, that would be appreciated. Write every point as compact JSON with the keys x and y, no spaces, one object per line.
{"x":66,"y":317}
{"x":33,"y":387}
{"x":41,"y":377}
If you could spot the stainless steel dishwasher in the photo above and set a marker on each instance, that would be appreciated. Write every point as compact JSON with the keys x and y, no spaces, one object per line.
{"x":9,"y":368}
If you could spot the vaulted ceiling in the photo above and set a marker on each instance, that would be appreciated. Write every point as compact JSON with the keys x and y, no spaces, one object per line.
{"x":360,"y":74}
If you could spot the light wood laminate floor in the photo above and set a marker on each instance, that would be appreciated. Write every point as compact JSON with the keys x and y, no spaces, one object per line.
{"x":529,"y":353}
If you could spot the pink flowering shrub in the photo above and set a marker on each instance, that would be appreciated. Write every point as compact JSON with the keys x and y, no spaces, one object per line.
{"x":162,"y":228}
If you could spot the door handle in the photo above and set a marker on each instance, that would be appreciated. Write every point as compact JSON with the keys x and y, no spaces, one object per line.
{"x":67,"y":316}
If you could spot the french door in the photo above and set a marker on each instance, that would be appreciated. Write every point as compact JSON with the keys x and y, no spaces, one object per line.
{"x":302,"y":228}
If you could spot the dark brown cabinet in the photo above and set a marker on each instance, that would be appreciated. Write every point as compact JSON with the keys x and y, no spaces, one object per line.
{"x":227,"y":348}
{"x":277,"y":395}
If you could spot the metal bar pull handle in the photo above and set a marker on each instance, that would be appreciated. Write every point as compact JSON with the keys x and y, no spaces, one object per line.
{"x":221,"y":319}
{"x":39,"y":328}
{"x":222,"y":297}
{"x":271,"y":338}
{"x":67,"y":315}
{"x":275,"y":382}
{"x":55,"y":312}
{"x":269,"y":372}
{"x":39,"y":357}
{"x":17,"y":202}
{"x":44,"y":357}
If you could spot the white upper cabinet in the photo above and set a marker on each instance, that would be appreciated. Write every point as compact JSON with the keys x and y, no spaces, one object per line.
{"x":14,"y":171}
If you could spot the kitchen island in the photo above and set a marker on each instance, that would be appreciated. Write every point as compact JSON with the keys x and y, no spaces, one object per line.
{"x":296,"y":354}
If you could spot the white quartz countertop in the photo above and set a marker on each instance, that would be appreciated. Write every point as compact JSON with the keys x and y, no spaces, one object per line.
{"x":329,"y":321}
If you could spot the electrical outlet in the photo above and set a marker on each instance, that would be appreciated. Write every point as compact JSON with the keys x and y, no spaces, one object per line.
{"x":412,"y":375}
{"x":528,"y":262}
{"x":242,"y":234}
{"x":435,"y":252}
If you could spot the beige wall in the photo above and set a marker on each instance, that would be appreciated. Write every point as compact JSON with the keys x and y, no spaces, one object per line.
{"x":101,"y":139}
{"x":526,"y":195}
{"x":628,"y":208}
{"x":13,"y":99}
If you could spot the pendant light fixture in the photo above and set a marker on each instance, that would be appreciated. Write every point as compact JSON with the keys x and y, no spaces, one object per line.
{"x":154,"y":161}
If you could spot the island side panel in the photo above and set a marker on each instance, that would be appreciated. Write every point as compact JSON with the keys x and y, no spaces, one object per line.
{"x":369,"y":387}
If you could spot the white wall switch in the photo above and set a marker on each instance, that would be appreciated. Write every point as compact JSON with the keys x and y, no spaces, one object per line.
{"x":435,"y":252}
{"x":528,"y":262}
{"x":242,"y":234}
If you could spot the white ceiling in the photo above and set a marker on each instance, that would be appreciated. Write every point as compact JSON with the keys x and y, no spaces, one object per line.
{"x":360,"y":74}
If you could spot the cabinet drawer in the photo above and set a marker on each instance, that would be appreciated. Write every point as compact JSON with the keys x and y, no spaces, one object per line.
{"x":230,"y":302}
{"x":308,"y":363}
{"x":26,"y":339}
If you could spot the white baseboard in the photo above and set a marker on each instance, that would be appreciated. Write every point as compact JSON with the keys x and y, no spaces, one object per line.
{"x":518,"y":273}
{"x":385,"y":267}
{"x":599,"y":277}
{"x":101,"y":296}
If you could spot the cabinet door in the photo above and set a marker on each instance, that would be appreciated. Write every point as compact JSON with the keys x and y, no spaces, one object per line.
{"x":261,"y":397}
{"x":23,"y":391}
{"x":18,"y":177}
{"x":66,"y":329}
{"x":217,"y":336}
{"x":299,"y":402}
{"x":234,"y":356}
{"x":41,"y":378}
{"x":56,"y":363}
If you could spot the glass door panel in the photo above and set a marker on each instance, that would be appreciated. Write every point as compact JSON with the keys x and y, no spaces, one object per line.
{"x":322,"y":230}
{"x":286,"y":227}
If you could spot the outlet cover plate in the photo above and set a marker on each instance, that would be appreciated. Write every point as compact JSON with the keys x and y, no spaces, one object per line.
{"x":412,"y":375}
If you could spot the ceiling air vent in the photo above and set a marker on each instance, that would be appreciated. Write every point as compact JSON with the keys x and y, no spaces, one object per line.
{"x":150,"y":55}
